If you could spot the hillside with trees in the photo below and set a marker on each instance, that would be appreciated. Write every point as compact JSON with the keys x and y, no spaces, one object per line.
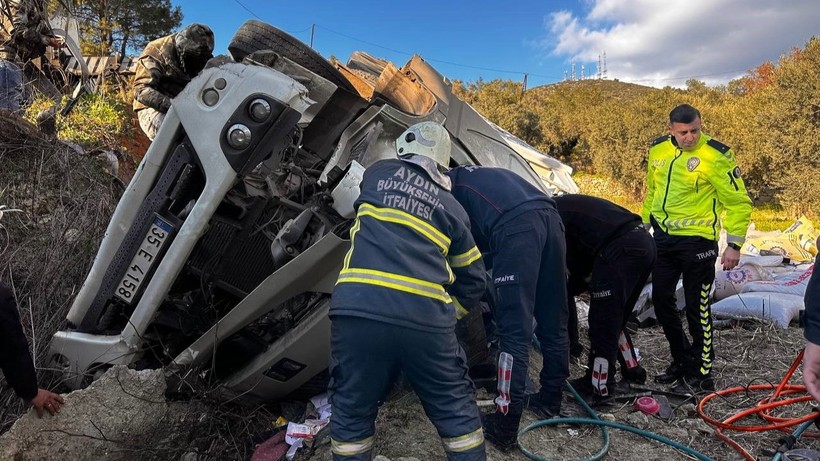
{"x":770,"y":118}
{"x":120,"y":26}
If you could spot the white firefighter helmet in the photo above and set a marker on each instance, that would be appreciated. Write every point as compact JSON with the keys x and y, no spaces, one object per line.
{"x":428,"y":139}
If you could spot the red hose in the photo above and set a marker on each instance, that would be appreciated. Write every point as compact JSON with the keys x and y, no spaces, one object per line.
{"x":763,"y":409}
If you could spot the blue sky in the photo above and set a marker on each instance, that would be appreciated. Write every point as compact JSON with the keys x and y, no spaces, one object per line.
{"x":650,"y":42}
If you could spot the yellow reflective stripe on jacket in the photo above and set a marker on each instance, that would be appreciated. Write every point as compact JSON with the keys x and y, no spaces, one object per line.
{"x":353,"y":230}
{"x":461,"y":311}
{"x":351,"y":448}
{"x":464,"y":259}
{"x":464,"y":442}
{"x":394,"y":281}
{"x":406,"y":219}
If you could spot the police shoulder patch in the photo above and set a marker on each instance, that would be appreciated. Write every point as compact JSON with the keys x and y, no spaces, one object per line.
{"x":718,"y":146}
{"x":659,"y":140}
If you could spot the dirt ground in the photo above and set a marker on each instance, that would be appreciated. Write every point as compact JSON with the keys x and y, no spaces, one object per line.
{"x":746,"y":354}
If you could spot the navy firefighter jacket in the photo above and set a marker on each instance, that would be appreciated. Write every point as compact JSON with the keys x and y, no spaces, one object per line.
{"x":494,"y":197}
{"x":412,"y":260}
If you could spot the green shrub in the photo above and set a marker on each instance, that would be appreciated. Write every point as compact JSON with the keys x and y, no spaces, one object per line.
{"x":96,"y":121}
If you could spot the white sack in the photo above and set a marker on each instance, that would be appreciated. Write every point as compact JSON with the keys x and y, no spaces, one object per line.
{"x":777,"y":308}
{"x":731,"y":282}
{"x":794,"y":283}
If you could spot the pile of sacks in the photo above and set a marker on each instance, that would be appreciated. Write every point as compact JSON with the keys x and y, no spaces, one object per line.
{"x":770,"y":281}
{"x":754,"y":290}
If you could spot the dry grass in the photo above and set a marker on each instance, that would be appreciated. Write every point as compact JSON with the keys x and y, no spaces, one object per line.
{"x":46,"y":250}
{"x":747,"y":354}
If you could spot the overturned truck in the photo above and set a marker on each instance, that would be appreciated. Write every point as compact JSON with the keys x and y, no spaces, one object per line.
{"x":224,"y":249}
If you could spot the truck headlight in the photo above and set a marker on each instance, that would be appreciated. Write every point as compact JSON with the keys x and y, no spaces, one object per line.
{"x":259,"y":110}
{"x":239,"y":136}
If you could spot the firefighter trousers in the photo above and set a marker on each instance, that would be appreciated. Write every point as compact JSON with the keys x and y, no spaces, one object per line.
{"x":533,"y":239}
{"x":619,"y":273}
{"x":366,"y":359}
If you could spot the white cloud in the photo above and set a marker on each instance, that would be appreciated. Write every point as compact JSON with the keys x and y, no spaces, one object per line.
{"x":660,"y":43}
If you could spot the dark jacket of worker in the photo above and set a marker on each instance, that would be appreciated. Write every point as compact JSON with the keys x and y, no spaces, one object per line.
{"x":167,"y":64}
{"x":432,"y":262}
{"x":15,"y":359}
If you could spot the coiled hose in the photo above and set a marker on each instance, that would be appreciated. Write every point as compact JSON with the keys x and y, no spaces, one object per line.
{"x":603,"y":425}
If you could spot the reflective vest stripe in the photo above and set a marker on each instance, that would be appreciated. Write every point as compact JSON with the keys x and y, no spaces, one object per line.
{"x":351,"y":448}
{"x":406,"y":219}
{"x":355,"y":228}
{"x":464,"y":442}
{"x":460,"y":310}
{"x":394,"y":281}
{"x":464,"y":259}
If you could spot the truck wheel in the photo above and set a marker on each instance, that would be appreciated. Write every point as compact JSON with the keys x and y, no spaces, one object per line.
{"x":256,"y":35}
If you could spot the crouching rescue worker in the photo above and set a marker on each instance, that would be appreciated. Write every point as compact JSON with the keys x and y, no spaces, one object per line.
{"x":165,"y":66}
{"x":518,"y":229}
{"x":609,"y":254}
{"x":691,"y":180}
{"x":412,"y":263}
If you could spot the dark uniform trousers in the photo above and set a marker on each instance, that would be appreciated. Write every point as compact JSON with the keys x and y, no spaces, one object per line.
{"x":530,"y":281}
{"x":619,"y":273}
{"x":694,"y":258}
{"x":366,"y":360}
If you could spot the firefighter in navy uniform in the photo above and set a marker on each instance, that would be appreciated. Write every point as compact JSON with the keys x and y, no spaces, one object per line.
{"x":609,"y":254}
{"x":691,"y":180}
{"x":519,"y":231}
{"x":412,"y":265}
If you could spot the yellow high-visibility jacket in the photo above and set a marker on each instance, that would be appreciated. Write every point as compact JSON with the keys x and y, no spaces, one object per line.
{"x":688,"y":191}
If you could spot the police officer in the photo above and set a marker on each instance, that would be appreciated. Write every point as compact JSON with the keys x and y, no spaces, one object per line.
{"x":691,"y":181}
{"x":610,"y":254}
{"x":163,"y":69}
{"x":412,"y":263}
{"x":518,"y":229}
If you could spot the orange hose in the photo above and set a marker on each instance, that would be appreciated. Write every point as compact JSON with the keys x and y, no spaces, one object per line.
{"x":763,"y":409}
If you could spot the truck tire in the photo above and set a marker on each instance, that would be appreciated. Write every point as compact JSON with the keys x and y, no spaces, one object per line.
{"x":256,"y":35}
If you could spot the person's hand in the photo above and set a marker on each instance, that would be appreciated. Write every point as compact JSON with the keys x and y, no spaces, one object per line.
{"x":730,"y":258}
{"x":811,"y":369}
{"x":48,"y":401}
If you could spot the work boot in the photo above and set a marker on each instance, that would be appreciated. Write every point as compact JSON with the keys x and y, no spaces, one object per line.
{"x":672,"y":373}
{"x":592,"y":396}
{"x":693,"y":385}
{"x":599,"y":376}
{"x":501,"y":430}
{"x":542,"y":406}
{"x":622,"y":387}
{"x":636,"y":375}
